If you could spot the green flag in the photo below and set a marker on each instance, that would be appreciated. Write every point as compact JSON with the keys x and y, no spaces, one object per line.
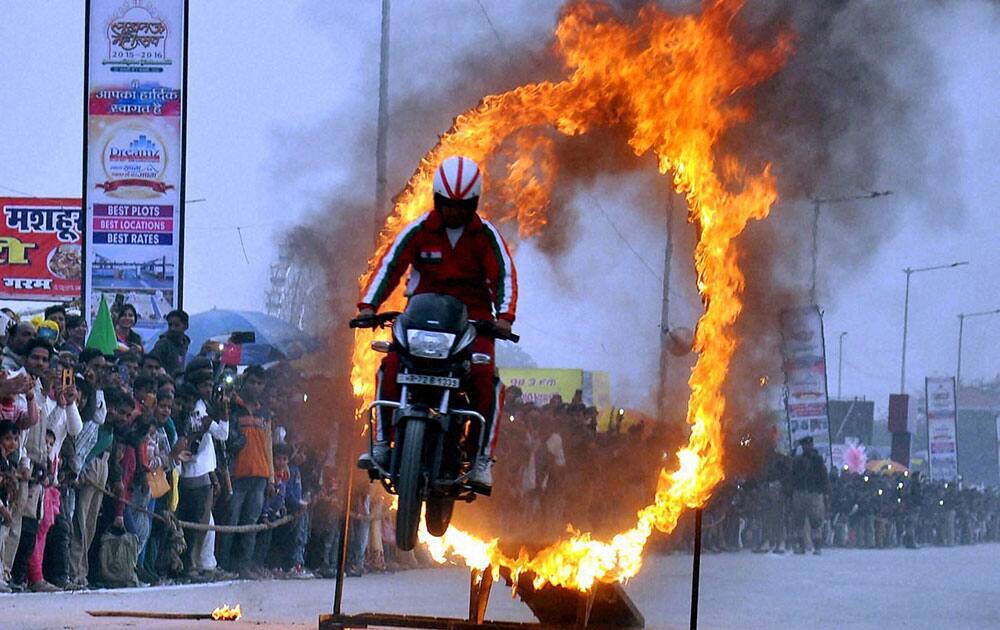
{"x":102,"y":335}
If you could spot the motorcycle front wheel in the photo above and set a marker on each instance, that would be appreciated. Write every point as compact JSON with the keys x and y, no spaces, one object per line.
{"x":408,"y":514}
{"x":438,"y":515}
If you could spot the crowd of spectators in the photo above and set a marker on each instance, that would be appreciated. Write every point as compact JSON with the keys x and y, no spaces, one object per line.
{"x":130,"y":467}
{"x":867,"y":510}
{"x":115,"y":467}
{"x":558,"y":462}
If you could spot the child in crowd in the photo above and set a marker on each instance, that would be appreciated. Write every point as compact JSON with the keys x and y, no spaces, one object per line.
{"x":9,"y":442}
{"x":50,"y":510}
{"x":286,"y":499}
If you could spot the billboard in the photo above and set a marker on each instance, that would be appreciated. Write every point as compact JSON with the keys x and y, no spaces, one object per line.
{"x":978,"y":447}
{"x":803,"y":354}
{"x":851,"y":419}
{"x":134,"y":155}
{"x":539,"y":385}
{"x":40,"y":248}
{"x":942,"y":442}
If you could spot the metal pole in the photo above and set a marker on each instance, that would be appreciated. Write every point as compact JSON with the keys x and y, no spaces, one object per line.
{"x":345,"y":527}
{"x":906,"y":313}
{"x":815,"y":251}
{"x":961,"y":330}
{"x":958,"y":369}
{"x":381,"y":195}
{"x":696,"y":568}
{"x":906,"y":319}
{"x":661,"y":398}
{"x":840,"y":363}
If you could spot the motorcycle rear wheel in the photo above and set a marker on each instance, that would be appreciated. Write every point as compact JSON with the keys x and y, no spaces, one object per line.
{"x":438,"y":515}
{"x":408,"y":514}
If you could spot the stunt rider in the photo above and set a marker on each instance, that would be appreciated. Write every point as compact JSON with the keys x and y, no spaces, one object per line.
{"x":453,"y":251}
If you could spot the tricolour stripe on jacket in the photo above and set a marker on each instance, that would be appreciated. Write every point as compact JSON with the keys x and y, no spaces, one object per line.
{"x":377,"y":286}
{"x":506,"y":290}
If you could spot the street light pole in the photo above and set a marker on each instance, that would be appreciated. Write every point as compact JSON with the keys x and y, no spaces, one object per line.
{"x":906,"y":313}
{"x":840,"y":361}
{"x":817,"y":208}
{"x":382,"y":130}
{"x":961,"y":328}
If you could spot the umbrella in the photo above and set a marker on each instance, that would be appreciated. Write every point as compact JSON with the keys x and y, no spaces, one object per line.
{"x":276,"y":339}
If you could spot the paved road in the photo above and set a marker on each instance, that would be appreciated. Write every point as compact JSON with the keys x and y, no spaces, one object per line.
{"x":842,"y":590}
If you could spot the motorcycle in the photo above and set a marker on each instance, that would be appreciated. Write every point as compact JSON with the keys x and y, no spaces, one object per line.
{"x":432,"y":453}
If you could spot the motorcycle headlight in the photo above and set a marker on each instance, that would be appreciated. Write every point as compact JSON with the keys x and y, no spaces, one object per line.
{"x":429,"y":344}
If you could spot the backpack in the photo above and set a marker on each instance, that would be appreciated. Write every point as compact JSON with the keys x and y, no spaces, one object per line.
{"x":119,"y":554}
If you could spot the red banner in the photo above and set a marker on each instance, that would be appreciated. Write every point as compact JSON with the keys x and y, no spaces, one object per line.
{"x":40,"y":248}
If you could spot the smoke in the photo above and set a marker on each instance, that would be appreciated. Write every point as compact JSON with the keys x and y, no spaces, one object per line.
{"x":848,"y":114}
{"x":334,"y":242}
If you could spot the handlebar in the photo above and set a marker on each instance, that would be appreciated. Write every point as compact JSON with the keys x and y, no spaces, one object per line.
{"x":490,"y":329}
{"x":375,"y":321}
{"x":483,"y":327}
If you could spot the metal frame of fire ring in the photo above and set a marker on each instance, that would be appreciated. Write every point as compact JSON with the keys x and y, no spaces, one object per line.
{"x":480,"y":583}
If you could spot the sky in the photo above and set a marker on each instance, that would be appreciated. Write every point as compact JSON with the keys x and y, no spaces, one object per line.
{"x":280,"y":91}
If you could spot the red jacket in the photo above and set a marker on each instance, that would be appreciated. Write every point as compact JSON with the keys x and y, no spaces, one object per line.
{"x":478,"y":270}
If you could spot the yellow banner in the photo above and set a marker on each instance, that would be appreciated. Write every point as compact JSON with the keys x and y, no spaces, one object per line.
{"x":539,"y":385}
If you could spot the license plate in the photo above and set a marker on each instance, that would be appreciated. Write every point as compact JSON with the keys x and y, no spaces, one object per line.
{"x":423,"y":379}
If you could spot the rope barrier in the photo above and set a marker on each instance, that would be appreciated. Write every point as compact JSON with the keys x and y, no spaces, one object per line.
{"x":204,"y":527}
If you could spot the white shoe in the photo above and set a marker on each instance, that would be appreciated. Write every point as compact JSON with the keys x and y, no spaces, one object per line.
{"x":482,"y":473}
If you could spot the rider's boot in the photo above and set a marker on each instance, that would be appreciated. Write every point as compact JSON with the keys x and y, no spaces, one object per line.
{"x":379,"y":454}
{"x":482,"y":473}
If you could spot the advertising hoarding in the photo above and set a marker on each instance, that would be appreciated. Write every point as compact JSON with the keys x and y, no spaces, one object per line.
{"x":803,"y":353}
{"x":539,"y":385}
{"x":40,"y":248}
{"x":942,"y":442}
{"x":134,"y":155}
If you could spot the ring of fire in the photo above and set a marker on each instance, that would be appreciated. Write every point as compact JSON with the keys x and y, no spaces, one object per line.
{"x":670,"y":82}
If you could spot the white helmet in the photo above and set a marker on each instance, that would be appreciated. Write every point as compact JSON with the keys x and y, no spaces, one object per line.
{"x":458,"y":179}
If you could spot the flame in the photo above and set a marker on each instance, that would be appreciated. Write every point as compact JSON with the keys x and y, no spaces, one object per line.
{"x":670,"y":81}
{"x":225,"y":613}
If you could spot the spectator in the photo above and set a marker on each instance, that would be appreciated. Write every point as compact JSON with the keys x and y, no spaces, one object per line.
{"x":151,"y":367}
{"x":94,"y":448}
{"x":60,"y":416}
{"x":19,"y":386}
{"x":810,"y":488}
{"x":172,"y":347}
{"x":167,"y":456}
{"x":76,"y":335}
{"x":287,"y":498}
{"x":15,"y":350}
{"x":128,"y":367}
{"x":127,"y":318}
{"x":51,"y":505}
{"x":144,"y":393}
{"x":9,"y":438}
{"x":206,"y":423}
{"x":360,"y":529}
{"x":252,"y":470}
{"x":326,"y":525}
{"x":57,"y":313}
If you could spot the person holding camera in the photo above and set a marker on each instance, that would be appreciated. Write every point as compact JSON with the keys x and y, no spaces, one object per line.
{"x":56,"y":395}
{"x":207,"y":421}
{"x":250,"y":444}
